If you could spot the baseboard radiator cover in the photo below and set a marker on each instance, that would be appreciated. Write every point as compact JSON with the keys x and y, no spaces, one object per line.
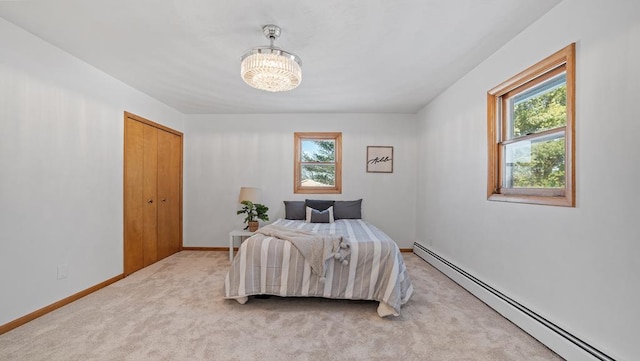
{"x":553,"y":336}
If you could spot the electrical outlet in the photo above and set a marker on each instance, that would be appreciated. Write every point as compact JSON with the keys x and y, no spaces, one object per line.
{"x":63,"y":271}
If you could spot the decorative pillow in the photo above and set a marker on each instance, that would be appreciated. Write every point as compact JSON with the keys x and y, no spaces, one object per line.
{"x":294,"y":210}
{"x":316,"y":216}
{"x":348,"y":209}
{"x":318,"y":204}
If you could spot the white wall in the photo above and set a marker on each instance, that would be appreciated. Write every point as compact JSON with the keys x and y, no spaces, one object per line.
{"x":61,"y":163}
{"x":225,"y":152}
{"x":579,"y":267}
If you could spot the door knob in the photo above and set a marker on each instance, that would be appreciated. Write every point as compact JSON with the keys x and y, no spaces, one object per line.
{"x":164,"y":200}
{"x":150,"y":201}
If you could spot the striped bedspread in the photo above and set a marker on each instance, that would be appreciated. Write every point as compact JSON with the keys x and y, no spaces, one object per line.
{"x":271,"y":266}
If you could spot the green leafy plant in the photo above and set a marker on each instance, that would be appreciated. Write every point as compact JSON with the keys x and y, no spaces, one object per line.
{"x":254,"y":211}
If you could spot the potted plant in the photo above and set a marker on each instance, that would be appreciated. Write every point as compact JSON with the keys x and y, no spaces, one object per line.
{"x":254,"y":211}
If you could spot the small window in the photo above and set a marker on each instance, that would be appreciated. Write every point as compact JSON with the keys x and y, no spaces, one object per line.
{"x":317,"y":163}
{"x":531,"y":134}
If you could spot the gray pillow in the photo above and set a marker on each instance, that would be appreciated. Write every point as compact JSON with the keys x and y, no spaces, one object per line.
{"x":347,"y":209}
{"x":294,"y":210}
{"x":318,"y":204}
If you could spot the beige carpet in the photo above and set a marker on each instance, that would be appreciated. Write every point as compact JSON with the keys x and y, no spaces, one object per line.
{"x":173,"y":310}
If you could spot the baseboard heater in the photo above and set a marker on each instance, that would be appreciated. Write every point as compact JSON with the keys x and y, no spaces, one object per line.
{"x":428,"y":255}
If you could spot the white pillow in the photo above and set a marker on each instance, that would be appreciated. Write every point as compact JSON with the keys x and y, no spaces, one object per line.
{"x":316,"y":216}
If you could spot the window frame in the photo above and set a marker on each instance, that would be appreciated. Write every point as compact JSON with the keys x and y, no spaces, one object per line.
{"x":298,"y":137}
{"x":497,"y":137}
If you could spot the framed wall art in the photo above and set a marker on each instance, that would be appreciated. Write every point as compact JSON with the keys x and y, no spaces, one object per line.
{"x":379,"y":159}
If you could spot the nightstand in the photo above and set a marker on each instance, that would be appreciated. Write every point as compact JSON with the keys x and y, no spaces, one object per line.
{"x":237,"y":233}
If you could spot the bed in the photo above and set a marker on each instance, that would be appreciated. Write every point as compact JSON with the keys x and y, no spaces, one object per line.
{"x":365,"y":264}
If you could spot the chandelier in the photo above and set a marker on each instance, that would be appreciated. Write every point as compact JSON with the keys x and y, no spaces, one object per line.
{"x":270,"y":68}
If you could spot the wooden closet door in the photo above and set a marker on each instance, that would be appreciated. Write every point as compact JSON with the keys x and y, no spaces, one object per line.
{"x":169,"y":190}
{"x":140,"y":201}
{"x":133,"y":196}
{"x":150,"y":194}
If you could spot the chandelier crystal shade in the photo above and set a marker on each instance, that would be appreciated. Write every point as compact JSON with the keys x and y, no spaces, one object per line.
{"x":270,"y":68}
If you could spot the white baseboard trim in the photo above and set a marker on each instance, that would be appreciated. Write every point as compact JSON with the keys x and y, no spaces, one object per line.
{"x":557,"y":339}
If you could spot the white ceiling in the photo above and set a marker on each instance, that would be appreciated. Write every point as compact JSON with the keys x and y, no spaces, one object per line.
{"x":367,"y":56}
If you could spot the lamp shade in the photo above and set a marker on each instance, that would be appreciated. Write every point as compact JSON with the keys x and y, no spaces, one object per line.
{"x":251,"y":194}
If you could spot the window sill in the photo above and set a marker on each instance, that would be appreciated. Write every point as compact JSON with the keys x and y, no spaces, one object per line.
{"x":528,"y":199}
{"x":318,"y":190}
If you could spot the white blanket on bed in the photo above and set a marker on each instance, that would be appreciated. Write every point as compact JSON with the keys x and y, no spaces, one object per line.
{"x":316,"y":248}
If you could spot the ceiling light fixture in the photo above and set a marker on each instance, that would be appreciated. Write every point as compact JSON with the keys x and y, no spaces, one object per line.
{"x":270,"y":68}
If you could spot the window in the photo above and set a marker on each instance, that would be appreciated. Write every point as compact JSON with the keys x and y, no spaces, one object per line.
{"x":317,"y":163}
{"x":530,"y":120}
